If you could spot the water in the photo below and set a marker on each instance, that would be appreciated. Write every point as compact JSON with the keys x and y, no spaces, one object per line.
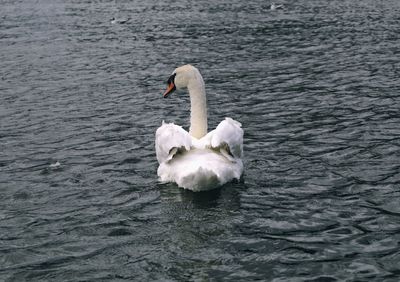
{"x":316,"y":87}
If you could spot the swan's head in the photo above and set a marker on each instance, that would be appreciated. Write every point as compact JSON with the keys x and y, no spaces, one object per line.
{"x":181,"y":77}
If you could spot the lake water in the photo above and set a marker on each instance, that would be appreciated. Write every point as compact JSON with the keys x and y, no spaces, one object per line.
{"x":316,"y":87}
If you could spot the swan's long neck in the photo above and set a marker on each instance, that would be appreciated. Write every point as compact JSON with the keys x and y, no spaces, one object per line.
{"x":198,"y":103}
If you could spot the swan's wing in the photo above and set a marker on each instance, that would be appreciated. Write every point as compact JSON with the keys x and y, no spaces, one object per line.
{"x":228,"y":138}
{"x":170,"y":139}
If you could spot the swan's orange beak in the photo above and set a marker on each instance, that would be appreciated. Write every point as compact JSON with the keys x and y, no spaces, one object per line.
{"x":171,"y":87}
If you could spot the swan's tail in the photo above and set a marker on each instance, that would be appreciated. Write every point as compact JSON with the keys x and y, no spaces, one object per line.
{"x":200,"y":170}
{"x":201,"y":180}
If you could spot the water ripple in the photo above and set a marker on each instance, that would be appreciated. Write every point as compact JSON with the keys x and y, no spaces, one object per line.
{"x":315,"y":86}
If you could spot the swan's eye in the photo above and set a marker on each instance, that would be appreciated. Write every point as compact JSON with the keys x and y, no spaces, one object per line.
{"x":171,"y":79}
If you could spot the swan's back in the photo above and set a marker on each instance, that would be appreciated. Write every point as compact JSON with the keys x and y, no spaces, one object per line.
{"x":200,"y":169}
{"x":203,"y":164}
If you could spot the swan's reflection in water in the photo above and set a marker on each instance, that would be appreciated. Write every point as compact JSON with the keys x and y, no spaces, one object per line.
{"x":226,"y":197}
{"x":192,"y":220}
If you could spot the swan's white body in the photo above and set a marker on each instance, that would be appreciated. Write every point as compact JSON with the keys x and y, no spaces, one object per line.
{"x":197,"y":160}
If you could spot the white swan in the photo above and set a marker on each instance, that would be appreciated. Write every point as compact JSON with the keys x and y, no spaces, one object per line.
{"x":276,"y":6}
{"x":197,"y":160}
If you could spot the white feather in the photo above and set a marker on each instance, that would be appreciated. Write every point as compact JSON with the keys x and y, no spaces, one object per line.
{"x":228,"y":133}
{"x":169,"y":139}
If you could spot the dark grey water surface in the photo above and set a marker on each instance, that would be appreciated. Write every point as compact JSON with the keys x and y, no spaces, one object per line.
{"x":316,"y":87}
